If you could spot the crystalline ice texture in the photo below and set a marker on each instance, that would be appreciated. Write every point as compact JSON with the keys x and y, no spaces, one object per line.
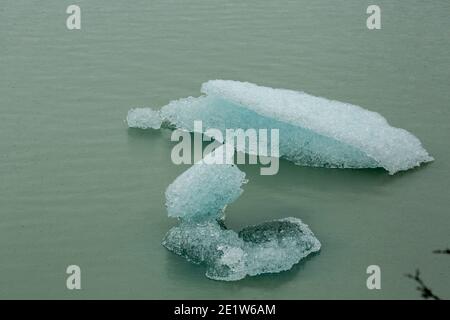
{"x":314,"y":131}
{"x":198,"y":197}
{"x":204,"y":190}
{"x":270,"y":247}
{"x":144,"y":118}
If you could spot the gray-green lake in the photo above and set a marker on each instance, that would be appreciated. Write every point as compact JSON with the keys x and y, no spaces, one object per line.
{"x":78,"y":187}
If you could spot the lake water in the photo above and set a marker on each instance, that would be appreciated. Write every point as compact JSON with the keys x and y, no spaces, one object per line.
{"x":78,"y":187}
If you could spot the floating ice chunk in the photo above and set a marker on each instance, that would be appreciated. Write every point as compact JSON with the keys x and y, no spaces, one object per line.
{"x":144,"y":118}
{"x":392,"y":148}
{"x":203,"y":191}
{"x":270,"y":247}
{"x":205,"y":242}
{"x":199,"y":196}
{"x":314,"y":131}
{"x":277,"y":245}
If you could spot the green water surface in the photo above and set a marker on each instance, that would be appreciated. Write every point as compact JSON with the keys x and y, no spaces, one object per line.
{"x":78,"y":187}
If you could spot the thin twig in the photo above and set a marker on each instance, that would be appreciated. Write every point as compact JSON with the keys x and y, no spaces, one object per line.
{"x":424,"y":290}
{"x":445,"y":251}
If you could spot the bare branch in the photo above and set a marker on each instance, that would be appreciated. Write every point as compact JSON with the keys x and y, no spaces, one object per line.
{"x":445,"y":251}
{"x":425,"y":291}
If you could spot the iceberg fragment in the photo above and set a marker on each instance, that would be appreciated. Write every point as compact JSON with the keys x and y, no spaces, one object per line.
{"x":314,"y":131}
{"x":270,"y":247}
{"x":200,"y":192}
{"x":199,"y":196}
{"x":144,"y":118}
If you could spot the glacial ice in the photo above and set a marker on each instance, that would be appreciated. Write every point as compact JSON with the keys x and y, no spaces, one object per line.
{"x":200,"y":192}
{"x":198,"y":198}
{"x":144,"y":118}
{"x":270,"y":247}
{"x":314,"y":131}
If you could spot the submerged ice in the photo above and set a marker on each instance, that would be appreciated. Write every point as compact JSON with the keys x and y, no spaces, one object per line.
{"x":314,"y":131}
{"x":270,"y":247}
{"x":198,"y":198}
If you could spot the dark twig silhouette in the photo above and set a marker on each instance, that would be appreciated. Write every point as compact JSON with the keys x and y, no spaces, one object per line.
{"x":445,"y":251}
{"x":425,"y":291}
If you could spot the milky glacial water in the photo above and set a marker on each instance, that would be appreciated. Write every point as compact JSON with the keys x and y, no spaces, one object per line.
{"x":78,"y":187}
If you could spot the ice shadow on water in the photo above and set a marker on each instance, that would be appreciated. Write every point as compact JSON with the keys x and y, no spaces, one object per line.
{"x":330,"y":180}
{"x":135,"y":135}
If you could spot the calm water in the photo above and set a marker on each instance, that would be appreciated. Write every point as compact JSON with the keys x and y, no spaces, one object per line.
{"x":78,"y":187}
